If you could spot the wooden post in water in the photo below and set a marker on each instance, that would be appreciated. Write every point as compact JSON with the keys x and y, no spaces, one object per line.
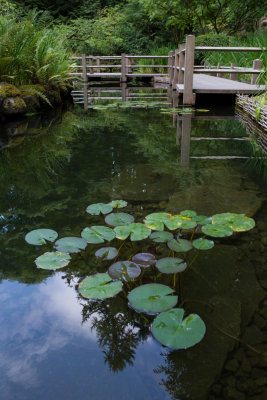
{"x":233,"y":74}
{"x":98,"y":70}
{"x":189,"y":97}
{"x":84,"y":72}
{"x":123,"y":68}
{"x":181,"y":64}
{"x":185,"y":141}
{"x":175,"y":72}
{"x":256,"y":65}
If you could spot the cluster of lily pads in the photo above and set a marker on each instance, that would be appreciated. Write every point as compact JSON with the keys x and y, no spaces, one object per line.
{"x":181,"y":110}
{"x":169,"y":326}
{"x":128,"y":104}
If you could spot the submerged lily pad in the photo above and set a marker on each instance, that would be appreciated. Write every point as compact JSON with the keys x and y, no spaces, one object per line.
{"x":98,"y":234}
{"x":137,"y":231}
{"x":106,"y":253}
{"x":216,"y":230}
{"x":202,"y":219}
{"x":97,"y":208}
{"x":180,"y":245}
{"x":237,"y":222}
{"x":188,"y":213}
{"x":125,"y":270}
{"x":171,"y":265}
{"x":53,"y":260}
{"x":152,"y":298}
{"x":118,"y":203}
{"x":203,"y":244}
{"x":156,"y":221}
{"x":40,"y":236}
{"x":99,"y":286}
{"x":119,"y":219}
{"x":70,"y":244}
{"x":161,"y":237}
{"x":144,"y":259}
{"x":172,"y":331}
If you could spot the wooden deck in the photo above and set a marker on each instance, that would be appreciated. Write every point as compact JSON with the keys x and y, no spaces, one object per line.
{"x":212,"y":84}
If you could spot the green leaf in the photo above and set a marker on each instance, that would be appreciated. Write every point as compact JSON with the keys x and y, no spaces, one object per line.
{"x":179,"y":222}
{"x":70,"y":244}
{"x":172,"y":331}
{"x":156,"y":221}
{"x":99,"y":286}
{"x":180,"y":245}
{"x":52,"y":260}
{"x":98,"y":234}
{"x":216,"y":230}
{"x":202,"y":219}
{"x":144,"y":259}
{"x":161,"y":237}
{"x":97,"y":208}
{"x":237,"y":222}
{"x":124,"y":270}
{"x":171,"y":265}
{"x":188,"y":213}
{"x":137,"y":231}
{"x":118,"y":203}
{"x":40,"y":236}
{"x":119,"y":219}
{"x":106,"y":253}
{"x":203,"y":244}
{"x":152,"y":298}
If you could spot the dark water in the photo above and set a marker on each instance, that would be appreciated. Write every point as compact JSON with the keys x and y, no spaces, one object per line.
{"x":56,"y":345}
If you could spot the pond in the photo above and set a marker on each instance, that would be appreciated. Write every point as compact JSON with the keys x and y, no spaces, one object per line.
{"x":56,"y":344}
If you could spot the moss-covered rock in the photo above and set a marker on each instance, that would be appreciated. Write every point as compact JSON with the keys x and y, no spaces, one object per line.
{"x":8,"y":90}
{"x":13,"y":106}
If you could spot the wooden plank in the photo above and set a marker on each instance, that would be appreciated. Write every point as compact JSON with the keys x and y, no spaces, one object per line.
{"x":208,"y":48}
{"x":228,"y":70}
{"x":165,"y":57}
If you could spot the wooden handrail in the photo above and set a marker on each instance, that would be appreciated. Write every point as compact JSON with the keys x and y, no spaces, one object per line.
{"x":209,"y":48}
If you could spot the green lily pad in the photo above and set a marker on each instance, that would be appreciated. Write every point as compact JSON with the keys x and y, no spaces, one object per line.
{"x":144,"y":259}
{"x":70,"y":244}
{"x":124,"y":270}
{"x":172,"y":331}
{"x":225,"y":218}
{"x":216,"y":230}
{"x":119,"y":219}
{"x":171,"y":265}
{"x":188,"y":213}
{"x":97,"y":208}
{"x":243,"y":224}
{"x":202,"y":219}
{"x":53,"y":260}
{"x":118,"y":203}
{"x":137,"y":231}
{"x":40,"y":236}
{"x":180,"y":245}
{"x":156,"y":221}
{"x":152,"y":298}
{"x":237,"y":222}
{"x":106,"y":253}
{"x":98,"y":234}
{"x":203,"y":244}
{"x":99,"y":286}
{"x":178,"y":222}
{"x":161,"y":237}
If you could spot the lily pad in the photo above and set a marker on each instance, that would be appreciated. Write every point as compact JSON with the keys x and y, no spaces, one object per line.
{"x":202,"y":219}
{"x":156,"y":221}
{"x":188,"y":213}
{"x":97,"y":208}
{"x":243,"y":224}
{"x":171,"y":265}
{"x":106,"y":253}
{"x":119,"y":219}
{"x":161,"y":237}
{"x":144,"y":259}
{"x":137,"y":231}
{"x":124,"y":270}
{"x":225,"y":218}
{"x":216,"y":230}
{"x":179,"y":222}
{"x":237,"y":222}
{"x":53,"y":260}
{"x":152,"y":298}
{"x":98,"y":234}
{"x":40,"y":236}
{"x":118,"y":203}
{"x":70,"y":244}
{"x":172,"y":331}
{"x":180,"y":245}
{"x":203,"y":244}
{"x":99,"y":286}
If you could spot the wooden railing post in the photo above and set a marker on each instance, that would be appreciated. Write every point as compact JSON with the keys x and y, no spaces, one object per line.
{"x":84,"y":72}
{"x":175,"y":71}
{"x":219,"y":74}
{"x":123,"y":68}
{"x":256,"y":65}
{"x":181,"y":64}
{"x":189,"y":97}
{"x":91,"y":70}
{"x":233,"y":74}
{"x":98,"y":70}
{"x":171,"y":65}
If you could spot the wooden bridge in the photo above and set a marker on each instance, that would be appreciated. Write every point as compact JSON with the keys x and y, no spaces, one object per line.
{"x":181,"y":74}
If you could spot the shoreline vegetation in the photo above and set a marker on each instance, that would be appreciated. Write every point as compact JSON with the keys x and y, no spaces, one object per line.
{"x":38,"y":38}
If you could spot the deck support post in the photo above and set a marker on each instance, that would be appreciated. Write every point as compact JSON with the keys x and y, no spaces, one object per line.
{"x":91,"y":70}
{"x":256,"y":65}
{"x":84,"y":72}
{"x":189,"y":97}
{"x":185,"y":141}
{"x":170,"y":65}
{"x":123,"y":68}
{"x":175,"y":70}
{"x":233,"y":74}
{"x":219,"y":74}
{"x":98,"y":70}
{"x":181,"y":64}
